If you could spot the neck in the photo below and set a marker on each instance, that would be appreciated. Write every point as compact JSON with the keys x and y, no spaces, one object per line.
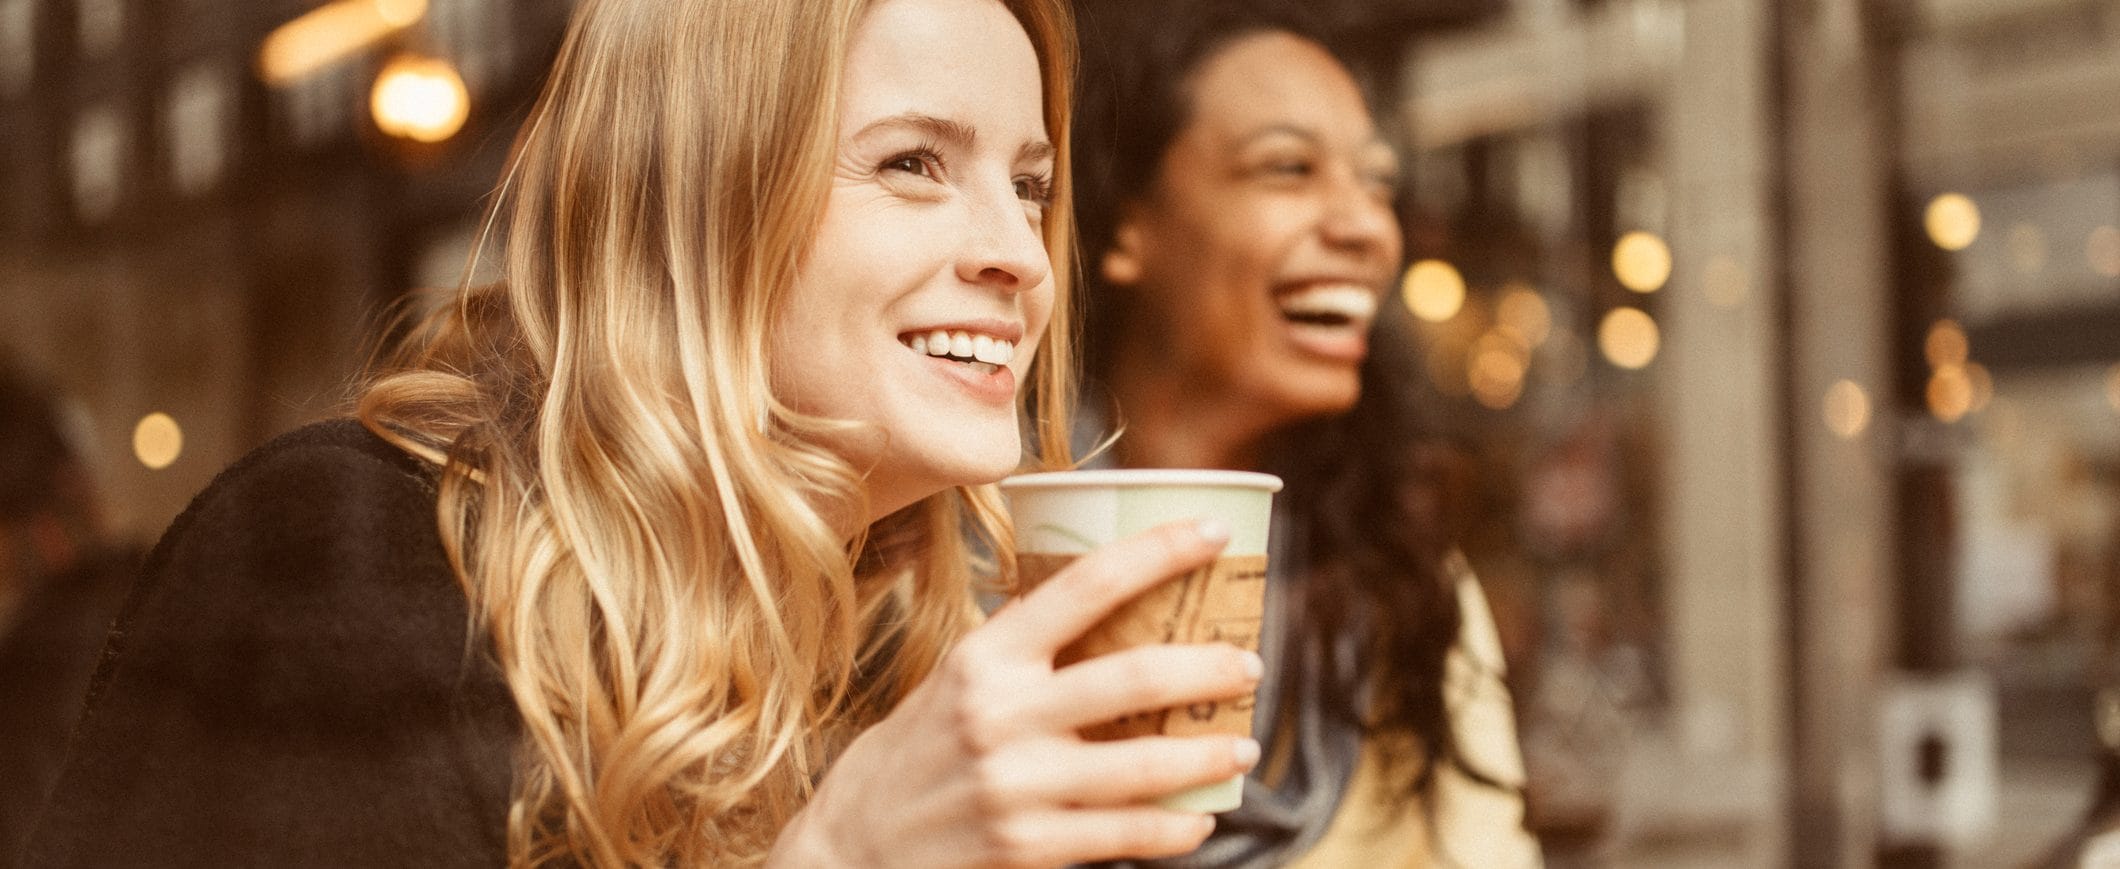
{"x":1173,"y":421}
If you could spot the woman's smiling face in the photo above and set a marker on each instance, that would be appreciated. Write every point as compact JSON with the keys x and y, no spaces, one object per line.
{"x":927,"y":286}
{"x":1255,"y":261}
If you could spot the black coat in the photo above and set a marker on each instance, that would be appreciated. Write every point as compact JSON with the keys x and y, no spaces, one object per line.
{"x":293,"y":682}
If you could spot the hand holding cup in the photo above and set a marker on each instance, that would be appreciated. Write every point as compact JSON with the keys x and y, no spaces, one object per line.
{"x":984,"y":764}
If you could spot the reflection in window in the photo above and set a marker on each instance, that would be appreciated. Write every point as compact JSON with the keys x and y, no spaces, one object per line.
{"x":197,"y":117}
{"x":98,"y":154}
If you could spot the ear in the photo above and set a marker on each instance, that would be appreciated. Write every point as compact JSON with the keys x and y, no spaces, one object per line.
{"x":1122,"y":263}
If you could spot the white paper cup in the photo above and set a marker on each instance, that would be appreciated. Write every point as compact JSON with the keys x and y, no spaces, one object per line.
{"x":1060,"y":516}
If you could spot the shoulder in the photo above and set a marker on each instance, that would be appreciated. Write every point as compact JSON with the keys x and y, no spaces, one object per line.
{"x":330,"y":495}
{"x":319,"y":549}
{"x":1475,"y":688}
{"x":332,"y":469}
{"x":294,"y":680}
{"x":1479,"y":640}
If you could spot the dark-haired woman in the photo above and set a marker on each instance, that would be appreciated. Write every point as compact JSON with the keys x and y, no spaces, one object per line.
{"x":1238,"y":238}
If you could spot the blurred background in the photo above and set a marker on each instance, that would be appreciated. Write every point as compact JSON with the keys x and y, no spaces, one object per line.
{"x":1779,"y":340}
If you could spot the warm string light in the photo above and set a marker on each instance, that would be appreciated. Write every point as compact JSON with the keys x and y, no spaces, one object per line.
{"x":1953,"y":221}
{"x":419,"y":98}
{"x":157,"y":441}
{"x":330,"y":33}
{"x":1496,"y":370}
{"x":1846,"y":409}
{"x":1957,"y":386}
{"x":1950,"y":393}
{"x":1523,"y":313}
{"x":1642,"y":262}
{"x":1946,"y":344}
{"x":1433,"y":290}
{"x":1629,"y":338}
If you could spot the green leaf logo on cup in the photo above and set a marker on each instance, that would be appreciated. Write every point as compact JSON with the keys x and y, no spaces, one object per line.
{"x":1060,"y":516}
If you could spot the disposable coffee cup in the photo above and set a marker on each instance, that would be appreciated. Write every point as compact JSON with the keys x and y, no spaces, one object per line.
{"x":1060,"y":516}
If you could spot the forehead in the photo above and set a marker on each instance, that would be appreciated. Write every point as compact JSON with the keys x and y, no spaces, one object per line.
{"x":966,"y":60}
{"x":1277,"y":78}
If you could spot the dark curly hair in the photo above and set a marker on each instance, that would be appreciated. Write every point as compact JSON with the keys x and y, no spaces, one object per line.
{"x":1362,"y":487}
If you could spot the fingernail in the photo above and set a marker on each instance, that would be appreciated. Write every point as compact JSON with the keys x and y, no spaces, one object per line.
{"x":1254,"y":666}
{"x":1246,"y":752}
{"x":1213,"y":530}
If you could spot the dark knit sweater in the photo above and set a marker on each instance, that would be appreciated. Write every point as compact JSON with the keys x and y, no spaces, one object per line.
{"x":292,"y":683}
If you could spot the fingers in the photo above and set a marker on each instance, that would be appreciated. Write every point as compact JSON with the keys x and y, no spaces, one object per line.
{"x":1119,"y":773}
{"x":1061,"y":837}
{"x":1146,"y":678}
{"x":1086,"y":591}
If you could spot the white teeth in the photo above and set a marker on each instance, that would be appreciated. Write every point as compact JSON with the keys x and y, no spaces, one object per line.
{"x":987,"y":351}
{"x":993,"y":351}
{"x":1355,"y":303}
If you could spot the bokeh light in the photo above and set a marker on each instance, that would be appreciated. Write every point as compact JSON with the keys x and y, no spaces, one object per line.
{"x":1953,"y":221}
{"x":421,"y":99}
{"x":331,"y":33}
{"x":1846,"y":409}
{"x":1641,"y":261}
{"x":1629,"y":338}
{"x":1524,"y":313}
{"x":401,"y":13}
{"x":1983,"y":384}
{"x":157,"y":441}
{"x":1434,"y":291}
{"x":1495,"y":372}
{"x":1946,"y":344}
{"x":1950,"y":393}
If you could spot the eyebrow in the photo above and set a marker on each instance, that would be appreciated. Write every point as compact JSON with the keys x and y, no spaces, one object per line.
{"x":1306,"y":134}
{"x":954,"y":133}
{"x":1303,"y":133}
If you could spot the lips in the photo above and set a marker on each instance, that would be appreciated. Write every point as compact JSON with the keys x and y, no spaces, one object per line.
{"x":1330,"y":319}
{"x":1329,"y":305}
{"x":983,"y":351}
{"x":974,"y":356}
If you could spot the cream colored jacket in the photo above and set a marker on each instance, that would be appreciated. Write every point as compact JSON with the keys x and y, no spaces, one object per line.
{"x":1477,"y":827}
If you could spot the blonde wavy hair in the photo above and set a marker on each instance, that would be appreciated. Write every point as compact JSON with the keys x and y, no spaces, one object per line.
{"x":642,"y":529}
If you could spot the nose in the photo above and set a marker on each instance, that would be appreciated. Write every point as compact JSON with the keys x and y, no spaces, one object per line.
{"x":1356,"y":221}
{"x":1002,"y":248}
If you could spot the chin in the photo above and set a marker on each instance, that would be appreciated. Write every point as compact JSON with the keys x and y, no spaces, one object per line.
{"x":1316,"y":397}
{"x":971,"y":461}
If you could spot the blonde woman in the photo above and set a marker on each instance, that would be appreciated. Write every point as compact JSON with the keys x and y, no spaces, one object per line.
{"x":651,"y":554}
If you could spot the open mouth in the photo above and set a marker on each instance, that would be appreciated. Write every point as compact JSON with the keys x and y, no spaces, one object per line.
{"x":1329,"y":306}
{"x":985,"y":354}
